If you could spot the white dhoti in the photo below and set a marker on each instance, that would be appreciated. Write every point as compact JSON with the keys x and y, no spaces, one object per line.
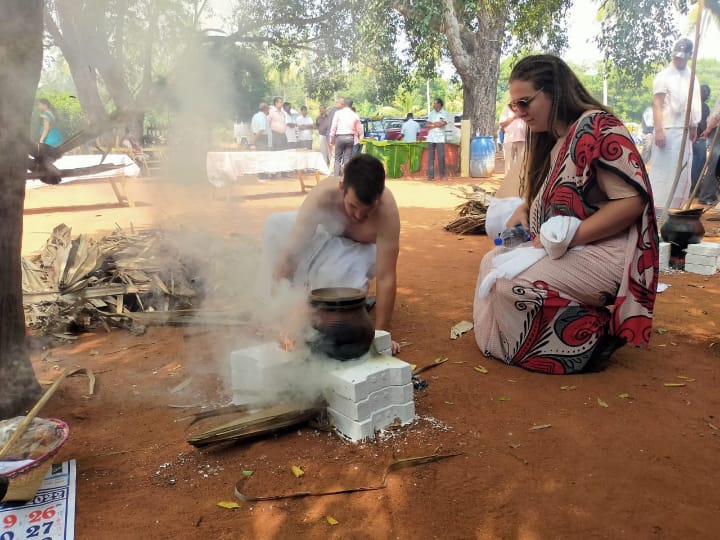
{"x":663,"y":164}
{"x":329,"y":261}
{"x":499,"y":211}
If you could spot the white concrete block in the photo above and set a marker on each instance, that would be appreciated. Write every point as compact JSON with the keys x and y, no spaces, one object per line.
{"x":386,"y":352}
{"x":254,"y":369}
{"x":700,"y":269}
{"x":664,"y":256}
{"x":356,"y":380}
{"x":382,"y":340}
{"x":357,"y":431}
{"x":704,"y":248}
{"x":378,"y":400}
{"x":664,"y":247}
{"x":704,"y":260}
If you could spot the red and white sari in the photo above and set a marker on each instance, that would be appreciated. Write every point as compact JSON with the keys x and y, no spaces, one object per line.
{"x":554,"y":316}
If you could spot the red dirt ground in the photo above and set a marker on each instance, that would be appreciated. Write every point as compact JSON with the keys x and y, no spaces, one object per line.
{"x":642,"y":467}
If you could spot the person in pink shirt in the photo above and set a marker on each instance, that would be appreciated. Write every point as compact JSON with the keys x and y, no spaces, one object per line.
{"x":276,"y":120}
{"x":345,"y":132}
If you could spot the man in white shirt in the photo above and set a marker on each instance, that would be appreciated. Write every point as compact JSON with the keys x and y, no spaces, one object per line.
{"x":670,"y":92}
{"x":410,"y":129}
{"x":290,"y":125}
{"x":260,"y":127}
{"x":436,"y":122}
{"x":514,"y":129}
{"x":345,"y":132}
{"x":305,"y":127}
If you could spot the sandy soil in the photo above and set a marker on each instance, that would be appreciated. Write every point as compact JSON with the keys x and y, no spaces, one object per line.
{"x":645,"y":466}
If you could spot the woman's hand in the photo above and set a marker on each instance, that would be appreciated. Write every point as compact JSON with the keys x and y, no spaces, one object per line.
{"x":520,"y":217}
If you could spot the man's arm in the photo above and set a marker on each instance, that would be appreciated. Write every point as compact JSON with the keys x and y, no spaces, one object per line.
{"x":388,"y":247}
{"x":658,"y":102}
{"x":302,"y":234}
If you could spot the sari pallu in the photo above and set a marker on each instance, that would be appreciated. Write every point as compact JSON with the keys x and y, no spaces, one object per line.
{"x":554,"y":317}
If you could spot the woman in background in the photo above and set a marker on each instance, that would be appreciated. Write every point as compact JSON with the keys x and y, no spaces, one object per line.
{"x":589,"y":209}
{"x":49,"y":133}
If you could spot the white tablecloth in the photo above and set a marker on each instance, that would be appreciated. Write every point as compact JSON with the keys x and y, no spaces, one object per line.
{"x":86,"y":160}
{"x":228,"y":167}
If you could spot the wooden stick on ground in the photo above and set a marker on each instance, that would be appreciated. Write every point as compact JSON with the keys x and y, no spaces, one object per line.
{"x":31,"y":415}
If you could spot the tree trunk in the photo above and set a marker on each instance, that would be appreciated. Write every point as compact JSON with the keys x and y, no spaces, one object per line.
{"x":75,"y":50}
{"x":21,"y":32}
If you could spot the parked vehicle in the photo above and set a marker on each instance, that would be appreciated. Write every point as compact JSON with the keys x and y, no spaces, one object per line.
{"x":388,"y":129}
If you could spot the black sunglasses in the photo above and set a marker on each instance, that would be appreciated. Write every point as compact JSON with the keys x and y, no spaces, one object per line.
{"x":523,"y":104}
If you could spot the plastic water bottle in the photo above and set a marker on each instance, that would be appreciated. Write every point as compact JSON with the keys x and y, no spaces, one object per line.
{"x":514,"y":236}
{"x":499,"y":245}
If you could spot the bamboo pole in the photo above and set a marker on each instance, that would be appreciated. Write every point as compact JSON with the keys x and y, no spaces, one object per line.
{"x":702,"y":174}
{"x":688,"y":107}
{"x":31,"y":416}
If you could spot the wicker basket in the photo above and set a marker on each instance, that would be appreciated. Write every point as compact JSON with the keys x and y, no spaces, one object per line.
{"x":25,"y":481}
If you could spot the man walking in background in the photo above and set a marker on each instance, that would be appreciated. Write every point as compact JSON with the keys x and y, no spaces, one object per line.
{"x":260,"y":127}
{"x":436,"y":122}
{"x":276,"y":120}
{"x":513,"y":145}
{"x":410,"y":129}
{"x":670,"y":92}
{"x":345,"y":132}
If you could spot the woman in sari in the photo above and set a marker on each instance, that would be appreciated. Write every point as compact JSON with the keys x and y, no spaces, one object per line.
{"x":581,"y":165}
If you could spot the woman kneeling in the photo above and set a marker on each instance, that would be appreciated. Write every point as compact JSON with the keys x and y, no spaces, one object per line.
{"x":581,"y":168}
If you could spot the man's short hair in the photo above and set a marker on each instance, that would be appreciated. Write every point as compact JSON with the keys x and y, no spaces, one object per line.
{"x":409,"y":116}
{"x":276,"y":99}
{"x":440,"y":101}
{"x":348,"y":102}
{"x":366,"y":175}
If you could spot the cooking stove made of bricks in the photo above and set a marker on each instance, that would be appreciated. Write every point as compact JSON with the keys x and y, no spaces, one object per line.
{"x":363,"y":395}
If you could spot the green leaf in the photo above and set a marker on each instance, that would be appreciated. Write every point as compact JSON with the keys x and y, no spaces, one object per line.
{"x":661,"y":331}
{"x":247,"y":473}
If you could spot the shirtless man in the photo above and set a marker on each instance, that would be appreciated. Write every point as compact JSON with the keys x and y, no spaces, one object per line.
{"x":359,"y":208}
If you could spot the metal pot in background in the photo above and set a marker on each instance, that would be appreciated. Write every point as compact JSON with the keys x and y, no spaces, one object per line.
{"x":345,"y":331}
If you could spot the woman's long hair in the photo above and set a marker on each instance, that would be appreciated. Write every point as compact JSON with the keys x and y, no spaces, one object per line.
{"x":50,"y":107}
{"x":569,"y":99}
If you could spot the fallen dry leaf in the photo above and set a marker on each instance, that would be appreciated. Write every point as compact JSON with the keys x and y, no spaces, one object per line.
{"x":228,"y":504}
{"x":540,"y":426}
{"x":602,"y":403}
{"x":713,"y":426}
{"x":503,"y":398}
{"x":685,"y":378}
{"x":568,"y":387}
{"x":297,"y":471}
{"x":674,"y":384}
{"x":481,"y":369}
{"x":331,"y":520}
{"x":624,"y":396}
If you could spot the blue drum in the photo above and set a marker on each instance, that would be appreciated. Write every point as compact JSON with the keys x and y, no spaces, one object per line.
{"x":482,"y":156}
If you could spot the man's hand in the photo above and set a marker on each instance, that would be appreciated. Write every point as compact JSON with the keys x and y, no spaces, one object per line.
{"x":660,"y":137}
{"x":520,"y":217}
{"x":394,"y":347}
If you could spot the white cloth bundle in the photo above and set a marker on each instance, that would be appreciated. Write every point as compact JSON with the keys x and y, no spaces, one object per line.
{"x":555,"y":235}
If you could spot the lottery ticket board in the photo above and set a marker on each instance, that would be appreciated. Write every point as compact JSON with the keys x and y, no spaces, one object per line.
{"x":50,"y":515}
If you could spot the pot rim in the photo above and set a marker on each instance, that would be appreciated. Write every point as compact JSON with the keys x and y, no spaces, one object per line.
{"x":337,"y":296}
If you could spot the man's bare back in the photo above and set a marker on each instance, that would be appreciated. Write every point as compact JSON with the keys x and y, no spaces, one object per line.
{"x":329,"y":204}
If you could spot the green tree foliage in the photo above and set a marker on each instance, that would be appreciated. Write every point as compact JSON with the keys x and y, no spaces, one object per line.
{"x":637,"y":35}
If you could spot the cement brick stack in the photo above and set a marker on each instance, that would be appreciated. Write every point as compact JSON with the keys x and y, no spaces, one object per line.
{"x":363,"y":396}
{"x":367,"y":395}
{"x":664,"y":256}
{"x":703,"y":258}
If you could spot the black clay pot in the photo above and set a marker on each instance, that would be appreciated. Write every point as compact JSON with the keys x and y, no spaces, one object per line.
{"x":345,"y":331}
{"x":682,"y":227}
